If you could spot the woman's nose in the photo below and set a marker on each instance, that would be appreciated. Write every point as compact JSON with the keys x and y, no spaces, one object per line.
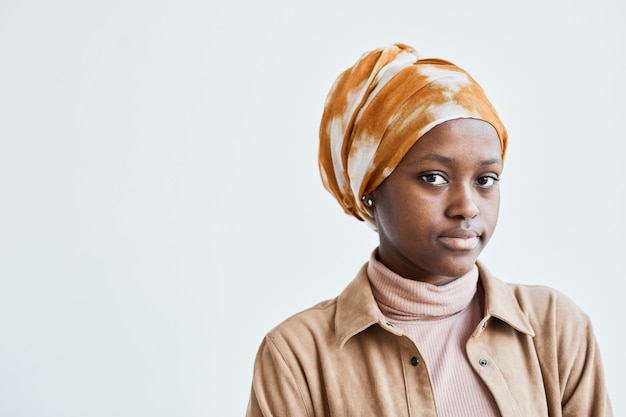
{"x":462,"y":202}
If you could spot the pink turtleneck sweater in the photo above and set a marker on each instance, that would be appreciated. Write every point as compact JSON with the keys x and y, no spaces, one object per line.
{"x":439,"y":320}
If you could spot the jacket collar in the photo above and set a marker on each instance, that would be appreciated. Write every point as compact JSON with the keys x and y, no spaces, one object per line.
{"x":501,"y":302}
{"x":357,"y":309}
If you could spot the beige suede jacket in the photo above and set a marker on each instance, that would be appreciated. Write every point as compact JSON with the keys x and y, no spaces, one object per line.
{"x":534,"y":349}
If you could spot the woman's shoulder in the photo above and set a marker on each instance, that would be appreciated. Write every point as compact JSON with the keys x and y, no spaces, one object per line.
{"x":305,"y":329}
{"x":532,"y":299}
{"x":320,"y":314}
{"x":336,"y":319}
{"x":546,"y":310}
{"x":540,"y":302}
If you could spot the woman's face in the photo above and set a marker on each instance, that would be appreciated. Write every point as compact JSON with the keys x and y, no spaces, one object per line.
{"x":438,"y":209}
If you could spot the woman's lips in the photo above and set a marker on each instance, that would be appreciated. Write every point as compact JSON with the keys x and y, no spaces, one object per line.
{"x":462,"y":240}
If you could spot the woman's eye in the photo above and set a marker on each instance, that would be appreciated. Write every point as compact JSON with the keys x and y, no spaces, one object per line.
{"x":434,"y":179}
{"x":487,"y":181}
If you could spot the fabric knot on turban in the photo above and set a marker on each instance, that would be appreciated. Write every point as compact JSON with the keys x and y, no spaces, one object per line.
{"x":377,"y":110}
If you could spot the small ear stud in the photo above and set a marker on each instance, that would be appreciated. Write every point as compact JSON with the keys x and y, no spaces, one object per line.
{"x":367,"y":201}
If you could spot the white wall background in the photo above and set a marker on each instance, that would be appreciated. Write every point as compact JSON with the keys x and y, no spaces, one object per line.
{"x":160,"y":207}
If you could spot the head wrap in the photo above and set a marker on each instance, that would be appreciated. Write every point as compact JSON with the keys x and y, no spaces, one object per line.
{"x":379,"y":108}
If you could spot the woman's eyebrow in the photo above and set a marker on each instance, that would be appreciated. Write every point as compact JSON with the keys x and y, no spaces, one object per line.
{"x":492,"y":161}
{"x":438,"y":158}
{"x":447,"y":160}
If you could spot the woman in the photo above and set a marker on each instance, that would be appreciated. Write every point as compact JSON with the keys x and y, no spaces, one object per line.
{"x":413,"y":147}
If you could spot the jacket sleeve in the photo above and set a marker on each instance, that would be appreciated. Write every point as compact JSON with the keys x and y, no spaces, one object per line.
{"x":275,"y":392}
{"x":583,"y":388}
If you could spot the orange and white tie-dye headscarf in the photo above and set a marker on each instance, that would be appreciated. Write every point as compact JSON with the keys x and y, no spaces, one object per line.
{"x":380,"y":107}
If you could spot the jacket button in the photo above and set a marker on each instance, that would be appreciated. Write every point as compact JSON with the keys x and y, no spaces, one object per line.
{"x":414,"y":361}
{"x":483,"y":362}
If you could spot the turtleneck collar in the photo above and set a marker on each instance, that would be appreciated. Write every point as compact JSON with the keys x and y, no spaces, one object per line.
{"x":405,"y":299}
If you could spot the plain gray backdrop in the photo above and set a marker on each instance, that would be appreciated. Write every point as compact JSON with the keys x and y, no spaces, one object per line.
{"x":161,"y":208}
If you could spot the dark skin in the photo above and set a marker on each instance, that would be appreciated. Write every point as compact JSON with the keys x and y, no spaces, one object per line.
{"x":438,"y":209}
